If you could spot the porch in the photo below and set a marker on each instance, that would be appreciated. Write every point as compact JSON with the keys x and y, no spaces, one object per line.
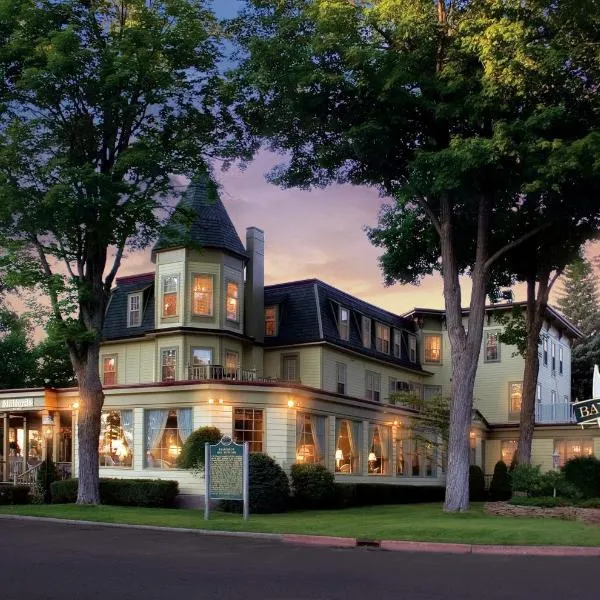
{"x":220,"y":372}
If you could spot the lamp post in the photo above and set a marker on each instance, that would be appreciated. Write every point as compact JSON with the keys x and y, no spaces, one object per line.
{"x":48,"y":425}
{"x":555,"y":464}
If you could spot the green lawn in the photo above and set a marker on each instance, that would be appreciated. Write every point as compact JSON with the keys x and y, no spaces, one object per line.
{"x":424,"y":522}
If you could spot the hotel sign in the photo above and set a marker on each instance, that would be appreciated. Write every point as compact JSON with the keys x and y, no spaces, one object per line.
{"x":587,"y":412}
{"x":10,"y":403}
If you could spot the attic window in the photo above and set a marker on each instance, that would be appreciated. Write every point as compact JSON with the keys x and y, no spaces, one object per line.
{"x":344,"y":323}
{"x":134,"y":313}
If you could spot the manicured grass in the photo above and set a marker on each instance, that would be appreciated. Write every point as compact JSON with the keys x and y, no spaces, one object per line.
{"x":426,"y":522}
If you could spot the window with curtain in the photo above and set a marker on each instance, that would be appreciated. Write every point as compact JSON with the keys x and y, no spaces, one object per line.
{"x":310,"y":438}
{"x":379,"y":449}
{"x":515,"y":394}
{"x":348,"y":446}
{"x":432,"y":343}
{"x":170,"y":295}
{"x":202,"y":295}
{"x":166,"y":431}
{"x":109,"y":369}
{"x":382,"y":338}
{"x":248,"y":426}
{"x":232,"y":364}
{"x":372,"y":386}
{"x":232,"y":306}
{"x":568,"y":449}
{"x":116,"y":438}
{"x":168,"y":364}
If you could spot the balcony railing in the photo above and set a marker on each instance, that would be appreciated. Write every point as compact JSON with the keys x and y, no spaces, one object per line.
{"x":554,"y":413}
{"x":219,"y":372}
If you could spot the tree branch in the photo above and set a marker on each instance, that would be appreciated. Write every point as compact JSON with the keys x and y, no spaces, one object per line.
{"x":429,"y":212}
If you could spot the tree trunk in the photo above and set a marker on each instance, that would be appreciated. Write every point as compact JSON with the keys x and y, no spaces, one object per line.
{"x":536,"y":307}
{"x":91,"y":399}
{"x":465,"y":349}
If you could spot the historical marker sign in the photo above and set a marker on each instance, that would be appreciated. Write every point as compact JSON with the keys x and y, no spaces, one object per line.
{"x":226,"y":473}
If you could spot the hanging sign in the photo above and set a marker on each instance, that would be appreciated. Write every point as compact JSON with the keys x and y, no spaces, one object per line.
{"x":587,"y":412}
{"x":226,"y":473}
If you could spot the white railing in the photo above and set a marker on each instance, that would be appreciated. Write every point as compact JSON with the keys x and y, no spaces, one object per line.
{"x":554,"y":413}
{"x":217,"y":372}
{"x":29,"y":477}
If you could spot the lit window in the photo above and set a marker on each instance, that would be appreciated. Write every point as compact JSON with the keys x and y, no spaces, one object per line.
{"x":311,"y":438}
{"x":202,"y":295}
{"x":492,"y":346}
{"x":232,"y":364}
{"x":382,"y":338}
{"x":507,"y":451}
{"x":109,"y":370}
{"x":170,"y":292}
{"x":341,"y":378}
{"x":397,"y":343}
{"x":560,"y":360}
{"x":168,"y":364}
{"x":366,"y":332}
{"x":412,"y":348}
{"x":348,"y":444}
{"x":166,"y":432}
{"x":248,"y":427}
{"x":134,"y":314}
{"x":516,"y":393}
{"x":232,"y":302}
{"x":271,"y":321}
{"x":568,"y":449}
{"x":116,"y":438}
{"x":433,"y":348}
{"x":202,"y":359}
{"x":344,"y":323}
{"x":372,"y":386}
{"x":379,"y":449}
{"x":290,"y":368}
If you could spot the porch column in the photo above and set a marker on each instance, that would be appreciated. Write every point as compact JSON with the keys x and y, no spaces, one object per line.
{"x":25,"y":448}
{"x":5,"y":449}
{"x":55,"y":436}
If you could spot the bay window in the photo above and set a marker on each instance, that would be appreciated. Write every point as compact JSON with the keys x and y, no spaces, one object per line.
{"x":310,"y":438}
{"x":232,"y":306}
{"x":248,"y":426}
{"x":116,"y":438}
{"x":168,"y":364}
{"x":166,"y":430}
{"x":202,"y":295}
{"x":568,"y":449}
{"x":348,"y":446}
{"x":109,"y":369}
{"x":379,"y":449}
{"x":170,"y":295}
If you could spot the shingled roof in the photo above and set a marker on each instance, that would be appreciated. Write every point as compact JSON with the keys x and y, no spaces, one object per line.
{"x":200,"y":220}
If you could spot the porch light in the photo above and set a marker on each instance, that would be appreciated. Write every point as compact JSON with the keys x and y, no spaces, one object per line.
{"x":75,"y":406}
{"x":211,"y":400}
{"x":291,"y":403}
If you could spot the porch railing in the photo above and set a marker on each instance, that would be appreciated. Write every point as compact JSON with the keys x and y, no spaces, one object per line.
{"x":219,"y":372}
{"x":554,"y":413}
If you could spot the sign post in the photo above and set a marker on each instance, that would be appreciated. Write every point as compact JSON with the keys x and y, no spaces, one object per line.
{"x":226,"y":473}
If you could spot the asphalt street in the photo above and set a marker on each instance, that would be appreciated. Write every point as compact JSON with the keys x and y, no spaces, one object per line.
{"x":59,"y":561}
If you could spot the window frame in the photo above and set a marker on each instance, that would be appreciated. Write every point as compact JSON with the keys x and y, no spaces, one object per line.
{"x":236,"y":297}
{"x":274,"y":321}
{"x":397,"y":343}
{"x":431,"y":361}
{"x":366,"y":330}
{"x":130,"y":444}
{"x":487,"y":335}
{"x":545,"y":350}
{"x":255,"y":440}
{"x":382,"y":337}
{"x":412,"y":348}
{"x":344,"y":325}
{"x":115,"y":359}
{"x":373,"y":392}
{"x":163,"y":366}
{"x":211,"y":311}
{"x":564,"y":455}
{"x":130,"y":297}
{"x":560,"y":360}
{"x":511,"y":413}
{"x":163,"y":292}
{"x":288,"y":356}
{"x":163,"y":463}
{"x":553,"y":356}
{"x":341,"y":382}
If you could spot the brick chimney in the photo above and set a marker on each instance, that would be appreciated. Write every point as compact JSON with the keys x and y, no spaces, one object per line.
{"x":255,"y":284}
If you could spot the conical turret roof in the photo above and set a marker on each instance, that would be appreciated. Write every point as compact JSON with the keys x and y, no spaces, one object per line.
{"x":200,"y":219}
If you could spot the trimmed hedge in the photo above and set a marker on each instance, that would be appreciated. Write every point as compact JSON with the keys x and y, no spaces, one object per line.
{"x":313,"y":486}
{"x":476,"y":484}
{"x":500,"y":487}
{"x":371,"y":494}
{"x":154,"y":493}
{"x":192,"y":453}
{"x":14,"y":494}
{"x":584,"y":473}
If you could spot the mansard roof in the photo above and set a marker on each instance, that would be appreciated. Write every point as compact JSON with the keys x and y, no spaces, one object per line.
{"x":200,"y":220}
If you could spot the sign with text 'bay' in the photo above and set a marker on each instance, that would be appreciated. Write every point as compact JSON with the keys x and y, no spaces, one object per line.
{"x":226,"y":473}
{"x":587,"y":412}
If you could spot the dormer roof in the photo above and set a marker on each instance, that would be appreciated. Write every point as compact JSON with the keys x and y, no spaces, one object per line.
{"x":201,"y":220}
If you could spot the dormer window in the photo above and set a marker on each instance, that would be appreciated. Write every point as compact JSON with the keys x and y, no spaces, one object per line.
{"x":134,"y":313}
{"x":397,"y":343}
{"x":170,"y":295}
{"x":270,"y":321}
{"x":232,"y":307}
{"x":366,"y":332}
{"x":344,"y":323}
{"x":382,"y":338}
{"x":202,"y":295}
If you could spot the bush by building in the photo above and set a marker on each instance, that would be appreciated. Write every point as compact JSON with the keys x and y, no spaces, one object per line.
{"x":46,"y":475}
{"x":527,"y":479}
{"x":476,"y":484}
{"x":14,"y":494}
{"x":269,"y":487}
{"x":500,"y":487}
{"x":584,"y":473}
{"x":192,"y":453}
{"x":154,"y":493}
{"x":313,"y":486}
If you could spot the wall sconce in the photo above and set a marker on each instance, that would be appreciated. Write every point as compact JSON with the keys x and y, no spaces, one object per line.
{"x":211,"y":400}
{"x":218,"y":401}
{"x":473,"y":438}
{"x":75,"y":406}
{"x":397,"y":423}
{"x":291,"y":403}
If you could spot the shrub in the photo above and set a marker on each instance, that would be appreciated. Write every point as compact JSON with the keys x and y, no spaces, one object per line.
{"x":155,"y":493}
{"x":527,"y":478}
{"x":313,"y":486}
{"x":588,"y":503}
{"x":500,"y":487}
{"x":269,"y":488}
{"x":584,"y":473}
{"x":47,"y":473}
{"x":554,"y":483}
{"x":371,"y":494}
{"x":14,"y":494}
{"x":192,"y":453}
{"x":541,"y":501}
{"x":476,"y":484}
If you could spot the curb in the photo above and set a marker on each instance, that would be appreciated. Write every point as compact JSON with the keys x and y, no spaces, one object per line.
{"x":344,"y":542}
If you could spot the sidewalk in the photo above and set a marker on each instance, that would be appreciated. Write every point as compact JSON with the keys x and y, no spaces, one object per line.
{"x":347,"y":542}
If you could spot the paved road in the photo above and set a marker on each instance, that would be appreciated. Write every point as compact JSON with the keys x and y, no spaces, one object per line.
{"x":47,"y":561}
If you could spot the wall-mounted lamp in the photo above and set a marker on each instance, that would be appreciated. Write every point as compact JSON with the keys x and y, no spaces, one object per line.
{"x":218,"y":401}
{"x":75,"y":405}
{"x":291,"y":403}
{"x":211,"y":400}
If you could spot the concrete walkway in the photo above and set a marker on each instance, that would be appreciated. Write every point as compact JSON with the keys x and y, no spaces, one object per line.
{"x":347,"y":542}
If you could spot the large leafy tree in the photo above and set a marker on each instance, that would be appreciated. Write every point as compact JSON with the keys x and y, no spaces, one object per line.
{"x":474,"y":116}
{"x":579,"y":303}
{"x":102,"y":100}
{"x":17,"y":361}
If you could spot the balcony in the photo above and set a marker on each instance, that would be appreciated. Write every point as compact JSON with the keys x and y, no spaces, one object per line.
{"x":554,"y":413}
{"x":219,"y":372}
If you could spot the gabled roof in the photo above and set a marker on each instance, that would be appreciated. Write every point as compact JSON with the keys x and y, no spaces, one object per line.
{"x":308,"y":313}
{"x":115,"y":324}
{"x":200,"y":219}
